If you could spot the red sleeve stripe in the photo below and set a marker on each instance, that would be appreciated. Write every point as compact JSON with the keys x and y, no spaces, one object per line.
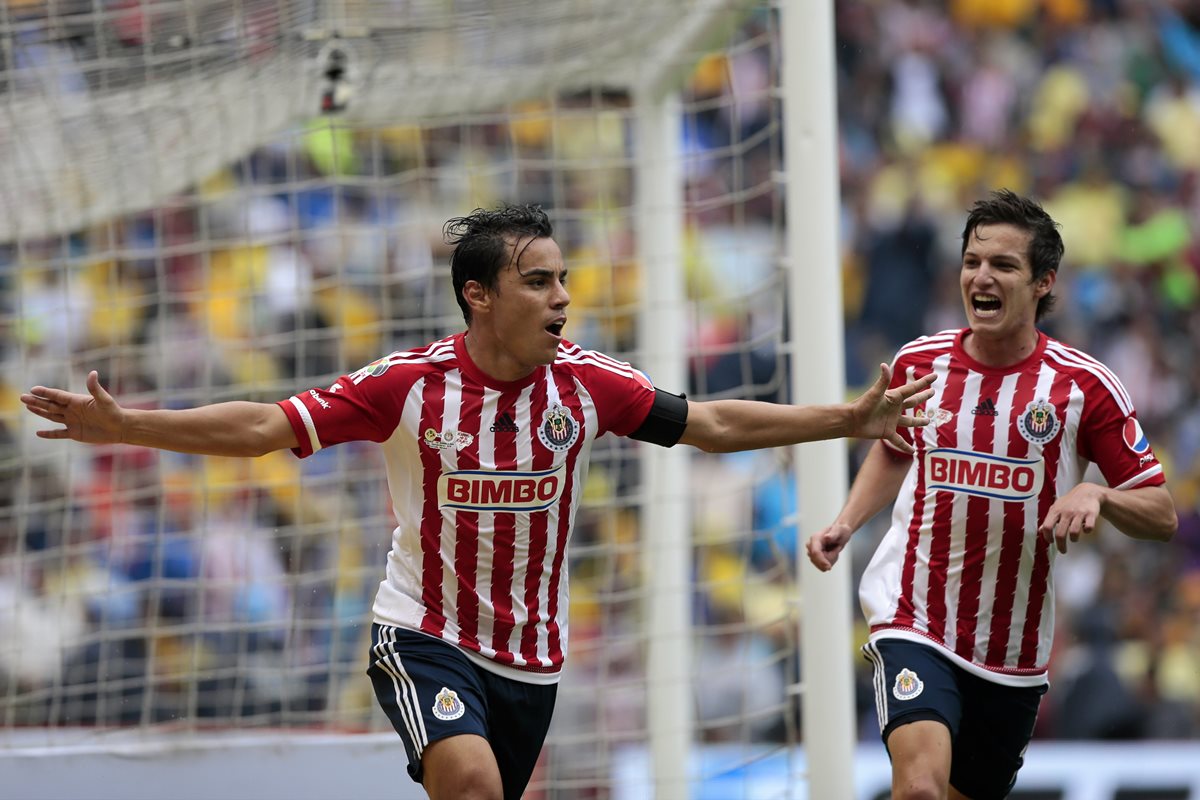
{"x":309,"y":425}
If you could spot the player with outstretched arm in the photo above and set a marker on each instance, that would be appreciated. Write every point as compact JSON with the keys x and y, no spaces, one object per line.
{"x":486,"y":436}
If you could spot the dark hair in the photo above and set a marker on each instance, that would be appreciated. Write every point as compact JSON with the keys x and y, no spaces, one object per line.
{"x":1005,"y":207}
{"x":482,"y":240}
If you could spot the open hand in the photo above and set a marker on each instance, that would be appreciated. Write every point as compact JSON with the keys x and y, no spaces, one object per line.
{"x":880,"y":410}
{"x":94,"y":418}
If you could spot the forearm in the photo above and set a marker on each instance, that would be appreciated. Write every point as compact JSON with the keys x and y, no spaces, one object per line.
{"x":875,"y":487}
{"x":751,"y":425}
{"x":224,"y":429}
{"x":1147,"y":513}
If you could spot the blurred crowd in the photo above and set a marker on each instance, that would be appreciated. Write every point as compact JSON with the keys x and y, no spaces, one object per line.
{"x":142,"y":587}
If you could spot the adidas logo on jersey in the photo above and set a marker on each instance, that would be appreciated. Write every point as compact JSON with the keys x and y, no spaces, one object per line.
{"x":987,"y":408}
{"x":505,"y":424}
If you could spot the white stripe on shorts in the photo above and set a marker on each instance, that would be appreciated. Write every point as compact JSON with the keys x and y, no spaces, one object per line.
{"x":880,"y":682}
{"x":406,"y":691}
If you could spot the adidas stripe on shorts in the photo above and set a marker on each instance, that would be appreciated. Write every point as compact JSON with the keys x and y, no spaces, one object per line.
{"x":430,"y":690}
{"x":990,"y":724}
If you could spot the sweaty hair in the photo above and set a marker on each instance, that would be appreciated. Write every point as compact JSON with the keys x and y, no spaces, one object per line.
{"x":482,"y":242}
{"x":1005,"y":207}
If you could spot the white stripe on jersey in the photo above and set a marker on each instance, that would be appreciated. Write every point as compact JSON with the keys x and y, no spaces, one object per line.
{"x":442,"y":350}
{"x":553,"y":515}
{"x":524,"y":419}
{"x":1141,"y":477}
{"x":956,"y":556}
{"x":599,"y":359}
{"x":995,"y":529}
{"x":314,"y":441}
{"x":926,"y":343}
{"x":1071,"y":358}
{"x":485,"y":555}
{"x":451,"y":406}
{"x":1020,"y":607}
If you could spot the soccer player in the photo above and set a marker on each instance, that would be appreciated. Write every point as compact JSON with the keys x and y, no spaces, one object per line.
{"x":486,"y":436}
{"x":959,"y":594}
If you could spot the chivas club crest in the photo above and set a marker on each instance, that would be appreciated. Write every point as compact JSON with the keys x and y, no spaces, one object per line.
{"x":447,"y":706}
{"x":1039,"y":424}
{"x":907,"y":685}
{"x":558,"y":430}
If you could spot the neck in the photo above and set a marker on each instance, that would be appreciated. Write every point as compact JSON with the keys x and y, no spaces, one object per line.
{"x":1003,"y":351}
{"x":492,"y":359}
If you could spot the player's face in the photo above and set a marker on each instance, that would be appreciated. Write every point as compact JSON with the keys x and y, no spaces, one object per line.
{"x":998,"y":295}
{"x":529,"y":303}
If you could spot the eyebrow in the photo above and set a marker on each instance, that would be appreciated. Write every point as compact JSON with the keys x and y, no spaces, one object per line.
{"x":1009,"y":257}
{"x":541,"y":272}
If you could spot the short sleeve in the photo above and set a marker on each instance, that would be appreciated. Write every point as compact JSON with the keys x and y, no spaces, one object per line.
{"x":623,"y":395}
{"x":363,"y":406}
{"x":1111,"y":437}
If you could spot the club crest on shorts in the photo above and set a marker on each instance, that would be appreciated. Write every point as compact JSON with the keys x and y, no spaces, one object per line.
{"x":447,"y":706}
{"x":558,"y":430}
{"x":908,"y":685}
{"x":1039,"y":424}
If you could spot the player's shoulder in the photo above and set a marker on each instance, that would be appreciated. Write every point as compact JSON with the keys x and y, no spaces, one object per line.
{"x":574,"y":358}
{"x":434,"y":355}
{"x":927,"y":348}
{"x":1080,"y":364}
{"x":1088,"y":372}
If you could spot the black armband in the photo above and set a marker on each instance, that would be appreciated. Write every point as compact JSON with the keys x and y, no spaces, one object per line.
{"x":666,"y":421}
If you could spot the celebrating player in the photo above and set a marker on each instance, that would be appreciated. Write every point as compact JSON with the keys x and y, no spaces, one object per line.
{"x":486,"y":436}
{"x":959,"y":595}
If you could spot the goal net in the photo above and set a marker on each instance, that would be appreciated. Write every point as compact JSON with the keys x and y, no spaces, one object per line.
{"x":209,"y":200}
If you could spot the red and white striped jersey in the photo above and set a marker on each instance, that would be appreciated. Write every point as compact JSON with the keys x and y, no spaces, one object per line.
{"x":485,"y":479}
{"x":962,"y":565}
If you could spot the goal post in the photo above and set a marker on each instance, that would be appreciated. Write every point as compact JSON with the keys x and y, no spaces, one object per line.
{"x":818,"y":376}
{"x":211,"y":200}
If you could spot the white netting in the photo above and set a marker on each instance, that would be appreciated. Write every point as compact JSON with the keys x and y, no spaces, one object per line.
{"x":111,"y":106}
{"x":260,"y":250}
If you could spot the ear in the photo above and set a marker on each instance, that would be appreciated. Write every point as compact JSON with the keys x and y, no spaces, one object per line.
{"x":477,"y":296}
{"x":1045,"y":284}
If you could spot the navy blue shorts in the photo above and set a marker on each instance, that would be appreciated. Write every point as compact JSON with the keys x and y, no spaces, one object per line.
{"x":430,"y":690}
{"x":990,"y":724}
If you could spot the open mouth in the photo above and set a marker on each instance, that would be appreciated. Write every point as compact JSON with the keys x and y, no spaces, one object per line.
{"x":985,"y":305}
{"x":556,"y":328}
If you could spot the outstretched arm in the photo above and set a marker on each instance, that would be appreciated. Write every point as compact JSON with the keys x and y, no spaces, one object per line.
{"x":222,"y":429}
{"x":878,"y":482}
{"x":725,"y":426}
